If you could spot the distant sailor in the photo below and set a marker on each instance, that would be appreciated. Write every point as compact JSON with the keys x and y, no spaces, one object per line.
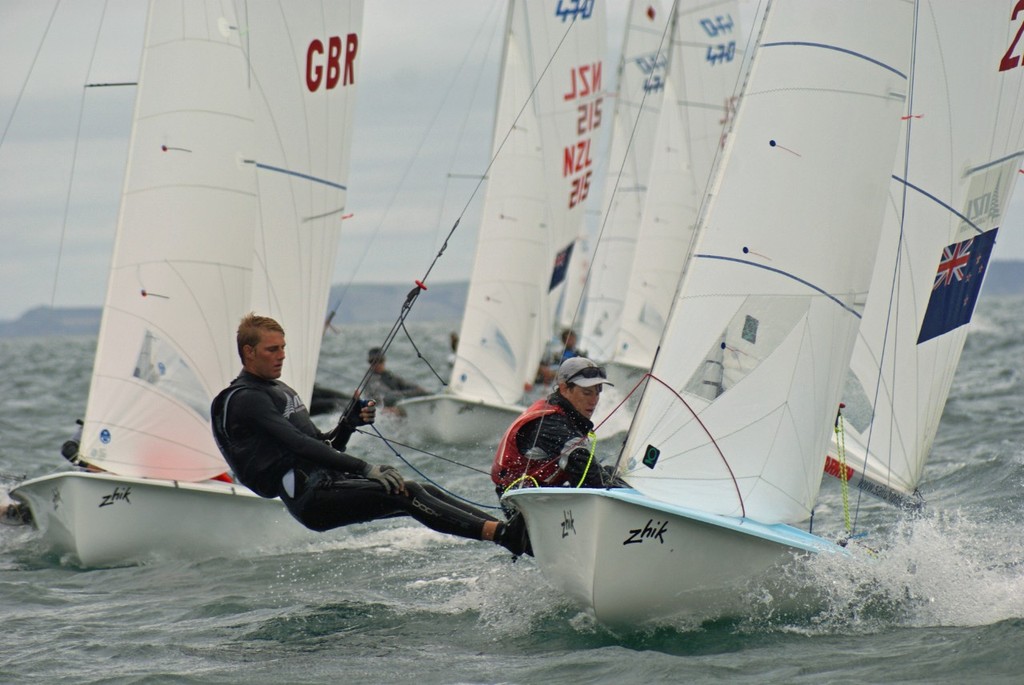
{"x":264,"y":431}
{"x":384,"y":386}
{"x":549,"y":366}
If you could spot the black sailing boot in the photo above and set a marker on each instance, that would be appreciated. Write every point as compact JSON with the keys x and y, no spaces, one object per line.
{"x":513,"y":536}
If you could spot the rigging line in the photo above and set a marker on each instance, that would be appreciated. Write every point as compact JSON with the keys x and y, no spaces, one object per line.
{"x":412,"y":160}
{"x":74,"y":163}
{"x":28,"y":74}
{"x":428,"y":478}
{"x":420,"y":284}
{"x":494,"y":157}
{"x":897,"y":274}
{"x":623,"y":401}
{"x":415,"y":294}
{"x":420,"y":355}
{"x":377,"y":436}
{"x":696,"y":417}
{"x":388,"y":339}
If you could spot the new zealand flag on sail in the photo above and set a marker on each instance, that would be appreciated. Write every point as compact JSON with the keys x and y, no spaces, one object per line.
{"x":957,"y":284}
{"x":561,"y":267}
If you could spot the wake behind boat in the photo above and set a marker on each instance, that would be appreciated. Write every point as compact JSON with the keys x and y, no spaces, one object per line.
{"x":237,"y":172}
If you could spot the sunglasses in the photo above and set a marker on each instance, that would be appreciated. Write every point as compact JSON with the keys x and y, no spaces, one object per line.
{"x":588,"y":372}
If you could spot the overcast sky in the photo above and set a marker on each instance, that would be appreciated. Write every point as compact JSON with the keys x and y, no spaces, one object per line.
{"x":427,"y":84}
{"x":424,"y":109}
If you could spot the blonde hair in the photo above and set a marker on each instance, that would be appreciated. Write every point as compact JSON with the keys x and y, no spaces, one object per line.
{"x":251,"y":327}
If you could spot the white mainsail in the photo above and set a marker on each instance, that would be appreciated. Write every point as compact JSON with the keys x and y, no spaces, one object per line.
{"x":957,"y":165}
{"x":237,"y":133}
{"x":748,"y":376}
{"x":304,"y":99}
{"x":703,"y":76}
{"x":244,"y":166}
{"x":181,"y":271}
{"x":641,"y":83}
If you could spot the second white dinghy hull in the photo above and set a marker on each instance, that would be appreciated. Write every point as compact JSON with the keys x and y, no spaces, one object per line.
{"x":629,"y":559}
{"x":100,"y":519}
{"x":458,"y":420}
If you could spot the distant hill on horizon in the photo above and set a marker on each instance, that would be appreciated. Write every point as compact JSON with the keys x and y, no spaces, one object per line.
{"x":360,"y":303}
{"x":382,"y":302}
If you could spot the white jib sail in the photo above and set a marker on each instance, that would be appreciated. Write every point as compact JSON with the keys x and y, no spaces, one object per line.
{"x":304,"y":69}
{"x":748,"y":376}
{"x":956,"y":168}
{"x":536,"y":187}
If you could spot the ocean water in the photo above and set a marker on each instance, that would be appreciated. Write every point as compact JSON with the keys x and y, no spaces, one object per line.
{"x":393,"y":602}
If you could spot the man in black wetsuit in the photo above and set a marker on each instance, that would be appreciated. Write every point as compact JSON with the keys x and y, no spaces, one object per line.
{"x":264,"y":432}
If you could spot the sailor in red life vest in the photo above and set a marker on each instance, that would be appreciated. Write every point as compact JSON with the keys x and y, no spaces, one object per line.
{"x":552,"y":442}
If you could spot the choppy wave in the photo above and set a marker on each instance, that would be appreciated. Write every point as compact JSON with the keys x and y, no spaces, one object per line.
{"x":933,"y":598}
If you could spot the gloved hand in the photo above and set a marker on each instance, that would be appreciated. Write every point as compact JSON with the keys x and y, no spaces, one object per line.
{"x":576,"y":463}
{"x":361,"y":413}
{"x":386,"y":475}
{"x":585,"y":471}
{"x":610,"y":479}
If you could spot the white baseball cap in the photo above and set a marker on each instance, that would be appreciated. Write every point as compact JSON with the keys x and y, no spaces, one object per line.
{"x":582,"y":372}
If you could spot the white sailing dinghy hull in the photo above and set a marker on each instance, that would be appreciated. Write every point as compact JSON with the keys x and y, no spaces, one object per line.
{"x":459,"y":420}
{"x":630,"y":559}
{"x":105,"y":520}
{"x":233,"y":190}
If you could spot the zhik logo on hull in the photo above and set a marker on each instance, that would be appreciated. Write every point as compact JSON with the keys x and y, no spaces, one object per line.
{"x":118,"y":495}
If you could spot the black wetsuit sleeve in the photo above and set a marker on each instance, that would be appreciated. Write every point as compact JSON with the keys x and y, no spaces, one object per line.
{"x":547,"y":434}
{"x":338,"y":437}
{"x":257,"y":410}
